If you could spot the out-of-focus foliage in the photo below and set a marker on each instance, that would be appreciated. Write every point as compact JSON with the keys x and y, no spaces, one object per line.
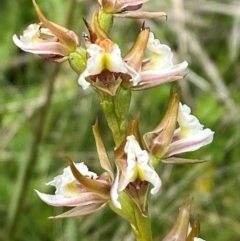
{"x":206,"y":34}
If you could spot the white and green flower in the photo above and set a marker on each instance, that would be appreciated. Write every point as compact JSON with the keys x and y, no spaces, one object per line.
{"x":75,"y":187}
{"x":47,"y":39}
{"x":134,"y":169}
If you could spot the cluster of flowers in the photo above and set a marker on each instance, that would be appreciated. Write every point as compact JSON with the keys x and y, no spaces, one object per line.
{"x":134,"y":161}
{"x":101,"y":66}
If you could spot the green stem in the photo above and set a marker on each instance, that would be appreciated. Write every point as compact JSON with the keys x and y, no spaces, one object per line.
{"x":116,"y":110}
{"x":143,"y":231}
{"x":139,"y":221}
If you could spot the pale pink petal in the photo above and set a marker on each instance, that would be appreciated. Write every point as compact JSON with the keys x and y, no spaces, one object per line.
{"x":31,"y":42}
{"x":190,"y":135}
{"x":80,"y":211}
{"x":42,"y":47}
{"x":81,"y":199}
{"x":66,"y":185}
{"x":153,"y":78}
{"x":190,"y":143}
{"x":157,"y":75}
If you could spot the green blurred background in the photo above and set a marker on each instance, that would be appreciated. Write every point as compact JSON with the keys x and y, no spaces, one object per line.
{"x":41,"y":123}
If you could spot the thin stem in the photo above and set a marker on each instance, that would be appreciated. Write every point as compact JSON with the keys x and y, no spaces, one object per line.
{"x":116,"y":110}
{"x":138,"y":219}
{"x":143,"y":231}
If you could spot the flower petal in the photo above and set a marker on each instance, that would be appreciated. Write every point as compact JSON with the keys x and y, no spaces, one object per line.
{"x":61,"y":33}
{"x":81,"y":199}
{"x":191,"y":143}
{"x":31,"y":42}
{"x":79,"y":211}
{"x":101,"y":187}
{"x":114,"y":191}
{"x":179,"y":161}
{"x":116,"y":6}
{"x":66,"y":184}
{"x":190,"y":135}
{"x":152,"y":78}
{"x":138,"y":167}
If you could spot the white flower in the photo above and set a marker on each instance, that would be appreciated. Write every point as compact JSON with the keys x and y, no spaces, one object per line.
{"x":47,"y":39}
{"x":69,"y":192}
{"x":134,"y":169}
{"x":66,"y":184}
{"x":33,"y":41}
{"x":159,"y":68}
{"x":190,"y":135}
{"x":106,"y":56}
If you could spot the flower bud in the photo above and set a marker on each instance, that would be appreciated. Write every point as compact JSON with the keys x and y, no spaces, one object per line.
{"x":77,"y":60}
{"x":182,"y":229}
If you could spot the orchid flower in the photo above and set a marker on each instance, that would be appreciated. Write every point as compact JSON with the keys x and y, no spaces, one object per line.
{"x":78,"y":187}
{"x":166,"y":141}
{"x":82,"y":188}
{"x":158,"y":68}
{"x":49,"y":40}
{"x":105,"y":55}
{"x":105,"y":67}
{"x":133,"y":169}
{"x":190,"y":135}
{"x":128,"y":9}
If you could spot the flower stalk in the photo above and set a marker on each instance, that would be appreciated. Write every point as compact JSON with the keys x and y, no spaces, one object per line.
{"x":132,"y":175}
{"x":140,"y":222}
{"x":116,"y":109}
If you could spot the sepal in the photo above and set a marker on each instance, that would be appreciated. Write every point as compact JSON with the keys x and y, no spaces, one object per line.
{"x":159,"y":140}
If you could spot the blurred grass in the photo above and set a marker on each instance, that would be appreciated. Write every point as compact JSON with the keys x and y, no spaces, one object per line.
{"x":206,"y":34}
